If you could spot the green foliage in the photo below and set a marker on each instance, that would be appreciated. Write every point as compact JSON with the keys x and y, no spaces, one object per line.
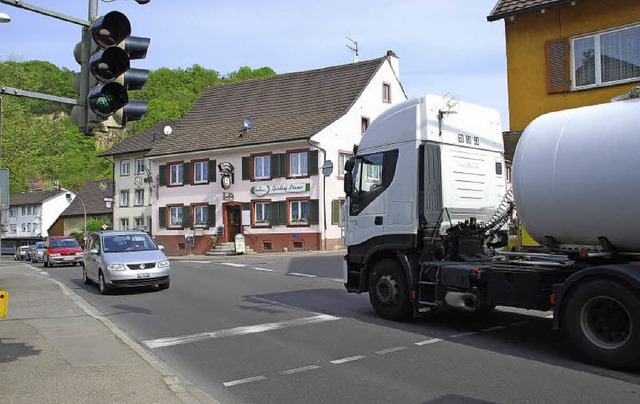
{"x":94,"y":224}
{"x":40,"y":142}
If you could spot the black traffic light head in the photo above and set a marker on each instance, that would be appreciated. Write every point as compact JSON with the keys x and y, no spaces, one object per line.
{"x":110,"y":29}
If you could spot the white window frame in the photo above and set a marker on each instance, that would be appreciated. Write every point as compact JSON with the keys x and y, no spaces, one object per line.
{"x":342,"y":159}
{"x":386,"y":93}
{"x":200,"y":213}
{"x":264,"y":164}
{"x":125,"y":167}
{"x":175,"y":217}
{"x":139,"y":166}
{"x":12,"y":212}
{"x":298,"y":220}
{"x":138,"y":222}
{"x":261,"y":213}
{"x":124,"y":223}
{"x":138,"y":197}
{"x":597,"y":60}
{"x":299,"y":164}
{"x":124,"y":198}
{"x":176,"y":176}
{"x":200,"y":172}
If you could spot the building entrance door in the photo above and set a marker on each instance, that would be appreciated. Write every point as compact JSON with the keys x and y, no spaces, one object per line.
{"x":233,"y":220}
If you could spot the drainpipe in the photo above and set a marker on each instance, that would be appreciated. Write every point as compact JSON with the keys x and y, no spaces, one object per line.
{"x":324,"y":202}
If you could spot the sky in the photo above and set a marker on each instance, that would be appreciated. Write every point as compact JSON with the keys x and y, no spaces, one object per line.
{"x":444,"y":46}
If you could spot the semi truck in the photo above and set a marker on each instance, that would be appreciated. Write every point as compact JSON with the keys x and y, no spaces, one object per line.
{"x":426,"y":211}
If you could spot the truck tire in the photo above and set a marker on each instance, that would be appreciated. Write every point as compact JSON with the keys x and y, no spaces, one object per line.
{"x":602,"y":319}
{"x":388,"y":291}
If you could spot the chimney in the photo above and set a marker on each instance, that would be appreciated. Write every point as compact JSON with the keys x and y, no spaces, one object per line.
{"x":394,"y":61}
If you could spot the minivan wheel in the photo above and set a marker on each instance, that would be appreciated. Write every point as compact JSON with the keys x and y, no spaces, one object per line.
{"x":104,"y":289}
{"x":85,"y":278}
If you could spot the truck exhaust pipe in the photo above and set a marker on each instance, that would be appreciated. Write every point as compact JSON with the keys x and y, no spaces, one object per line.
{"x":461,"y":300}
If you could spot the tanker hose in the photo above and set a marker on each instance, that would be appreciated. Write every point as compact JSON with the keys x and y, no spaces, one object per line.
{"x":501,"y":215}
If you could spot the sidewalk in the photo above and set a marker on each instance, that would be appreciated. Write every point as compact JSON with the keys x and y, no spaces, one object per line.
{"x":55,"y":347}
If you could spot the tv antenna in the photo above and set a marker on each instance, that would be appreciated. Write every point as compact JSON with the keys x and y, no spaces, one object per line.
{"x":354,"y":48}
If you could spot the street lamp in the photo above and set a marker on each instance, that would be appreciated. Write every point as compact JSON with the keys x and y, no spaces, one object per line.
{"x":84,"y":210}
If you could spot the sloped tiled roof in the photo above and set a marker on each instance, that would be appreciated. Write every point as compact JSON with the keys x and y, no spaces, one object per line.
{"x":284,"y":107}
{"x":31,"y":197}
{"x":508,"y":8}
{"x":140,"y":142}
{"x":92,"y":194}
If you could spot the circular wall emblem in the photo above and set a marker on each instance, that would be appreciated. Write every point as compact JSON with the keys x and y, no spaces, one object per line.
{"x":260,"y":190}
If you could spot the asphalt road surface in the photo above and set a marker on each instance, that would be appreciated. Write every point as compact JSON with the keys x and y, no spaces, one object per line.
{"x":280,"y":328}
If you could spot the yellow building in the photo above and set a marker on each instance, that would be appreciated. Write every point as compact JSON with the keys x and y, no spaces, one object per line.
{"x":566,"y":53}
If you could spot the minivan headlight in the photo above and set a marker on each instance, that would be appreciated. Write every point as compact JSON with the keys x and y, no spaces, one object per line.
{"x":117,"y":267}
{"x":163,"y":264}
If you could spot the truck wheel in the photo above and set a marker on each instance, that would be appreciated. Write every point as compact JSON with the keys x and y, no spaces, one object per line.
{"x":603,"y":321}
{"x":388,"y":291}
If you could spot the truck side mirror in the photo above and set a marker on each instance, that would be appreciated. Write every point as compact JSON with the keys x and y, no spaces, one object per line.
{"x":348,"y":183}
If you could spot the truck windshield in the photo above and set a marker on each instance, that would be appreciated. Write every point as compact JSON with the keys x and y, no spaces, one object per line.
{"x":368,"y":173}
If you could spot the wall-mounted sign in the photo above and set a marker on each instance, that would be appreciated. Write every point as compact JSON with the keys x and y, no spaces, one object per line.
{"x":226,"y":174}
{"x":137,"y":181}
{"x":227,"y":196}
{"x":286,"y":188}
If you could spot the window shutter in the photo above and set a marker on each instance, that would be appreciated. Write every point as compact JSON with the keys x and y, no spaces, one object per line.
{"x":313,"y":162}
{"x":246,"y":206}
{"x":186,"y":173}
{"x":162,"y":175}
{"x":246,"y":168}
{"x":211,"y":170}
{"x":282,"y":164}
{"x":335,"y":211}
{"x":186,"y":216}
{"x":273,"y":216}
{"x":557,"y":54}
{"x":314,"y":211}
{"x":282,"y":213}
{"x":275,"y":166}
{"x":211,"y":215}
{"x":162,"y":217}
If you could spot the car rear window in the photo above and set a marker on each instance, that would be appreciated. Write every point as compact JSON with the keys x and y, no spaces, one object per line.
{"x":40,"y":244}
{"x":64,"y":243}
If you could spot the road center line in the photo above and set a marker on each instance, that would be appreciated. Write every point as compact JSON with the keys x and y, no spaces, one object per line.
{"x":231,"y":332}
{"x":243,"y":381}
{"x":463,"y":334}
{"x":349,"y":359}
{"x":232,"y":264}
{"x":300,"y":370}
{"x":496,"y":328}
{"x":299,"y":274}
{"x":263,"y":269}
{"x":429,"y":341}
{"x":390,"y":350}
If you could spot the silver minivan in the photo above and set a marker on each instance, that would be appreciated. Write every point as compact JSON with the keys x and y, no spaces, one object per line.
{"x":126,"y":258}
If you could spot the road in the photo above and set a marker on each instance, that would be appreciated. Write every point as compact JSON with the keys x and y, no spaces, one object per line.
{"x":281,"y":329}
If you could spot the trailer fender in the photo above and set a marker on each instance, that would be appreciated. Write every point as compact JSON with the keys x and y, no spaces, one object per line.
{"x":624,"y":273}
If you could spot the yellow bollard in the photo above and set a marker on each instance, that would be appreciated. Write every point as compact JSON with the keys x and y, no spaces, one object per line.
{"x":4,"y":303}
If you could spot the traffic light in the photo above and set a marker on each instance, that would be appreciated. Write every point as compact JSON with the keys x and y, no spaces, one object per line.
{"x":105,"y":75}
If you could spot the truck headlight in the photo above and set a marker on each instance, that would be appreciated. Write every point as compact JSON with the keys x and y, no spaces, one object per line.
{"x":117,"y":267}
{"x":163,"y":264}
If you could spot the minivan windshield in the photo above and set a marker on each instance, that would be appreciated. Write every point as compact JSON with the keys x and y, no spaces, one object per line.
{"x":127,"y":243}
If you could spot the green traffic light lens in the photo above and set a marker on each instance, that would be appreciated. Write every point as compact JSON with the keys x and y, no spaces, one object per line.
{"x":107,"y":99}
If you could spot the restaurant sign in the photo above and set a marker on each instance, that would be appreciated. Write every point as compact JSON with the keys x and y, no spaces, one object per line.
{"x":294,"y":187}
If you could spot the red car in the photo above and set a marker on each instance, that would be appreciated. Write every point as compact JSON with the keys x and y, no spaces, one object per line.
{"x":61,"y":250}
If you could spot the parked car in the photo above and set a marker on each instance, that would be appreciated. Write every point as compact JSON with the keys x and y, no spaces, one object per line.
{"x":127,"y":258}
{"x":61,"y":250}
{"x":21,"y":253}
{"x":38,"y":253}
{"x":30,"y":251}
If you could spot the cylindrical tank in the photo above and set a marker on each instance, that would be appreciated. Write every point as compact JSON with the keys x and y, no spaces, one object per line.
{"x":576,"y":176}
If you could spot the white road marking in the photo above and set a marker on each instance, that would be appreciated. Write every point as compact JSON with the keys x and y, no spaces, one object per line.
{"x":429,"y":341}
{"x":496,"y":328}
{"x":233,"y":264}
{"x":299,"y":274}
{"x":300,"y":370}
{"x":349,"y":359}
{"x":252,"y":329}
{"x":390,"y":350}
{"x":263,"y":269}
{"x":243,"y":381}
{"x":195,"y":261}
{"x":463,"y":334}
{"x":549,"y":316}
{"x":520,"y":323}
{"x":336,"y":280}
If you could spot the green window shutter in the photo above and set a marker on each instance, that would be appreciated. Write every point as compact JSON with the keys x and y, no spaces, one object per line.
{"x":246,"y":168}
{"x":162,"y":217}
{"x":186,"y":173}
{"x":273,"y":215}
{"x":335,"y":211}
{"x":246,"y":206}
{"x":162,"y":175}
{"x":314,"y":211}
{"x":313,"y":162}
{"x":282,"y":164}
{"x":282,"y":213}
{"x":186,"y":216}
{"x":211,"y":168}
{"x":275,"y":167}
{"x":211,"y":215}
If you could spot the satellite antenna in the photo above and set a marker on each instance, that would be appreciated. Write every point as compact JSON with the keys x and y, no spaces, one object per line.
{"x":354,"y":48}
{"x":248,"y":123}
{"x":167,"y":130}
